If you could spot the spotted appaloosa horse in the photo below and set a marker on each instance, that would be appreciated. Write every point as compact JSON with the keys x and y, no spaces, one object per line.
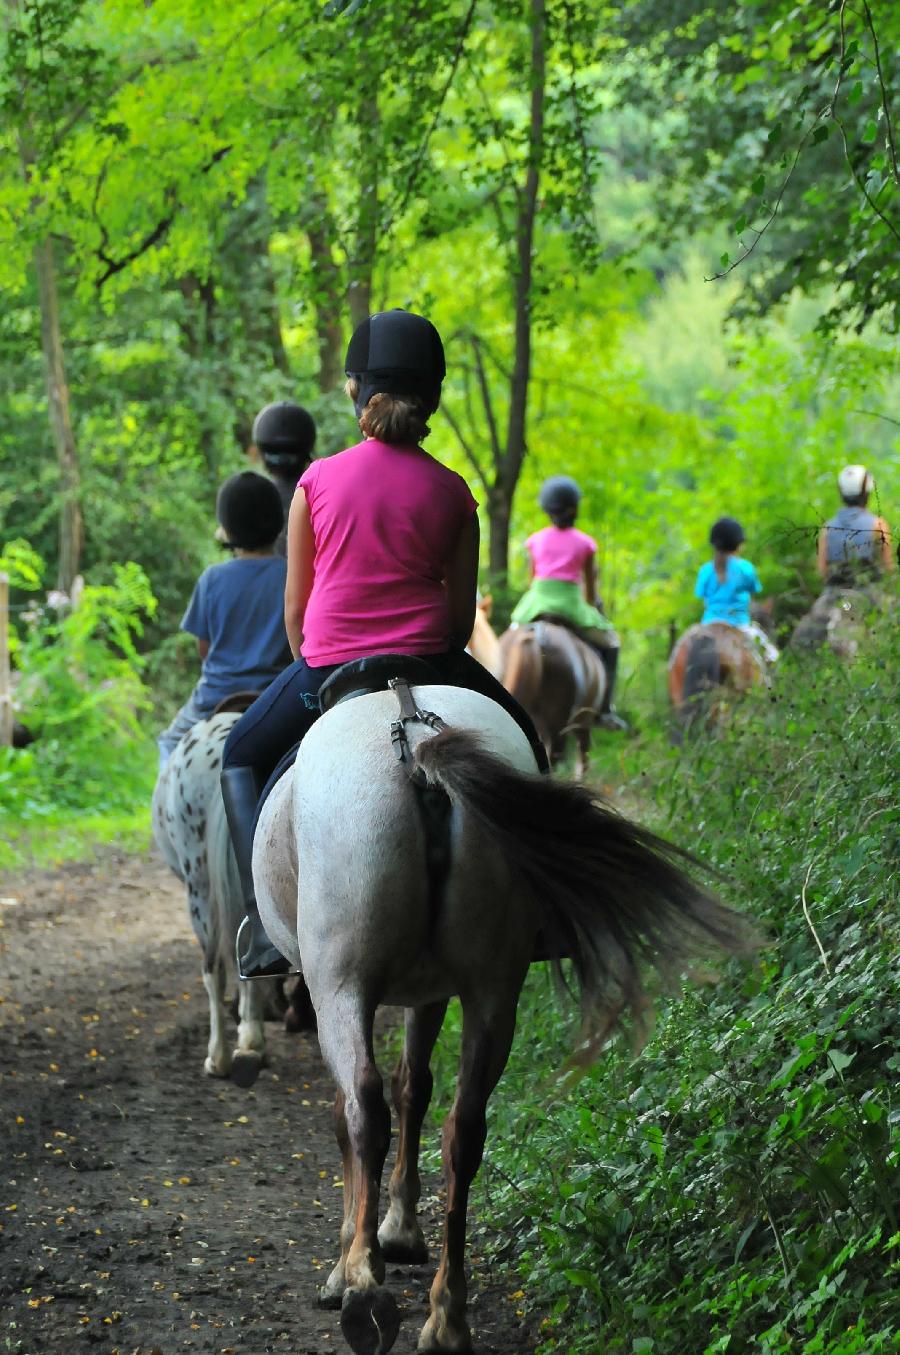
{"x":706,"y":659}
{"x":389,"y":892}
{"x":191,"y":831}
{"x":561,"y":682}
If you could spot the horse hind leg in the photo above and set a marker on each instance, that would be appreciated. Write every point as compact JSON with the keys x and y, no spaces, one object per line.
{"x":400,"y":1235}
{"x":370,"y":1319}
{"x":332,"y":1292}
{"x":486,"y":1042}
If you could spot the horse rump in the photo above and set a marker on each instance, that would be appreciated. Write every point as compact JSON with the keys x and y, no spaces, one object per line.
{"x":702,"y":674}
{"x":613,"y":896}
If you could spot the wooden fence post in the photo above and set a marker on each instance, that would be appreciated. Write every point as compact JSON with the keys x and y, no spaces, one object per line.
{"x":6,"y":715}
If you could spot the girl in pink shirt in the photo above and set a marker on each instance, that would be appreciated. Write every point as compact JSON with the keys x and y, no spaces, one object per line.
{"x":564,"y":582}
{"x":382,"y":559}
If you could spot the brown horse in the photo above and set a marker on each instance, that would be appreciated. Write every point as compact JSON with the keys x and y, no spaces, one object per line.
{"x":561,"y":682}
{"x":706,"y":658}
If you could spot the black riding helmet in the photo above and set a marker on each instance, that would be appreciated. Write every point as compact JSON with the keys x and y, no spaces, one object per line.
{"x":396,"y":353}
{"x":558,"y":494}
{"x":285,"y":433}
{"x":249,"y":509}
{"x":726,"y":534}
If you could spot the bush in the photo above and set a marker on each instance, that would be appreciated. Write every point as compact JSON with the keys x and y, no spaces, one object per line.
{"x":80,"y":693}
{"x":733,"y":1187}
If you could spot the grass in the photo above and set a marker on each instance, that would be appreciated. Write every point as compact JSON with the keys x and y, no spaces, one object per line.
{"x":74,"y":836}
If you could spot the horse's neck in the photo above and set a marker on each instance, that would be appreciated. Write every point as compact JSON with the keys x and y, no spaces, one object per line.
{"x":484,"y":645}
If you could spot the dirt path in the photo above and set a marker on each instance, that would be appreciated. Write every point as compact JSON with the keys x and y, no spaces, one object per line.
{"x":146,"y":1209}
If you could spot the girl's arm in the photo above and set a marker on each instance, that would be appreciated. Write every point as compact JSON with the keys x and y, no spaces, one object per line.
{"x":461,"y":582}
{"x":301,"y":553}
{"x":589,"y":581}
{"x":887,"y":558}
{"x":202,"y":649}
{"x":822,"y":553}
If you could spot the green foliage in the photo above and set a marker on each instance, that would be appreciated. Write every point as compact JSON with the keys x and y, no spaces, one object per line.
{"x":782,"y":133}
{"x":733,"y":1187}
{"x":80,"y":693}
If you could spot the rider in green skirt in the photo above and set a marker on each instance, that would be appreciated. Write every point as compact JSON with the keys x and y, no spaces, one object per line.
{"x":564,"y":582}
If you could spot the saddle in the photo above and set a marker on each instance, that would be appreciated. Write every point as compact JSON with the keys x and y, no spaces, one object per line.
{"x":361,"y":677}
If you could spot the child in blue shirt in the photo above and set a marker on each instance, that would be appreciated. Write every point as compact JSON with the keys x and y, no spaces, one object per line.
{"x":726,"y":584}
{"x":236,"y":611}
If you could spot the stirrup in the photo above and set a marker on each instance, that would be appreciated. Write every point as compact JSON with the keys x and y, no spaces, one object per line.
{"x":274,"y":965}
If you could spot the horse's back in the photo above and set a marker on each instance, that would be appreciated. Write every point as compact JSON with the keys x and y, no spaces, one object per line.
{"x":345,"y":834}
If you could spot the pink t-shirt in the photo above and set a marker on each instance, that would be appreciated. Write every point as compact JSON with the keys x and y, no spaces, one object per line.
{"x":385,"y":521}
{"x":560,"y":552}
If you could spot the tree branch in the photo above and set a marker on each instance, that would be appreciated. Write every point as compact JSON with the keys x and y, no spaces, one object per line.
{"x":487,"y":402}
{"x":467,"y":447}
{"x":408,"y":187}
{"x":152,"y":238}
{"x":884,"y":97}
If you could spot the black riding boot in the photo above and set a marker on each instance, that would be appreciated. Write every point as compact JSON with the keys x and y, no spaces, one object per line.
{"x":607,"y":717}
{"x":257,"y":958}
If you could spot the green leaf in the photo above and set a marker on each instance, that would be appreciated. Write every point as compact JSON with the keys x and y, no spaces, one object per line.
{"x":870,"y":132}
{"x":820,"y":134}
{"x":758,"y":184}
{"x":839,"y":1060}
{"x":856,"y":93}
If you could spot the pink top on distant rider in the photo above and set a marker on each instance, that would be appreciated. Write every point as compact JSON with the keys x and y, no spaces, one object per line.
{"x":385,"y":521}
{"x":560,"y":553}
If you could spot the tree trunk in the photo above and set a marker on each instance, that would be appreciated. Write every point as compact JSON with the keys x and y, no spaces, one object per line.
{"x":71,"y":527}
{"x":500,"y":505}
{"x":499,"y":514}
{"x":328,"y":304}
{"x":359,"y":290}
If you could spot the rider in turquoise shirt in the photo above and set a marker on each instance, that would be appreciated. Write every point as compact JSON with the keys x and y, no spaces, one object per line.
{"x":728,"y":598}
{"x":726,"y":584}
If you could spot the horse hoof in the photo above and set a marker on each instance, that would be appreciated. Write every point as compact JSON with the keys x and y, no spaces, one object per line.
{"x":370,"y":1321}
{"x":246,"y":1067}
{"x":404,"y":1253}
{"x":330,"y":1300}
{"x":215,"y":1069}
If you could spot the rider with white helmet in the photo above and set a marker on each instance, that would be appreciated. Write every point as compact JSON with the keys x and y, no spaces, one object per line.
{"x":855,"y":542}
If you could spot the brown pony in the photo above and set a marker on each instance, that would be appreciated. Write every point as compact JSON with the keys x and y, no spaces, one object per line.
{"x":706,"y":657}
{"x":561,"y":682}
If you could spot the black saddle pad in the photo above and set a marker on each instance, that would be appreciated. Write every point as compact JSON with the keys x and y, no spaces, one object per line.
{"x":359,"y":677}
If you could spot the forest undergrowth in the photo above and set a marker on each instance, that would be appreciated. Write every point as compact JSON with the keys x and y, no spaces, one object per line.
{"x":732,"y":1186}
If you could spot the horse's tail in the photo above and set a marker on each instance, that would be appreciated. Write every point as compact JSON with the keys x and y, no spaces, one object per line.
{"x":613,"y":896}
{"x":702,"y":672}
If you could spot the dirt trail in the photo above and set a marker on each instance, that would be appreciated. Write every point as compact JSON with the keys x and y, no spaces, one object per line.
{"x":146,"y":1209}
